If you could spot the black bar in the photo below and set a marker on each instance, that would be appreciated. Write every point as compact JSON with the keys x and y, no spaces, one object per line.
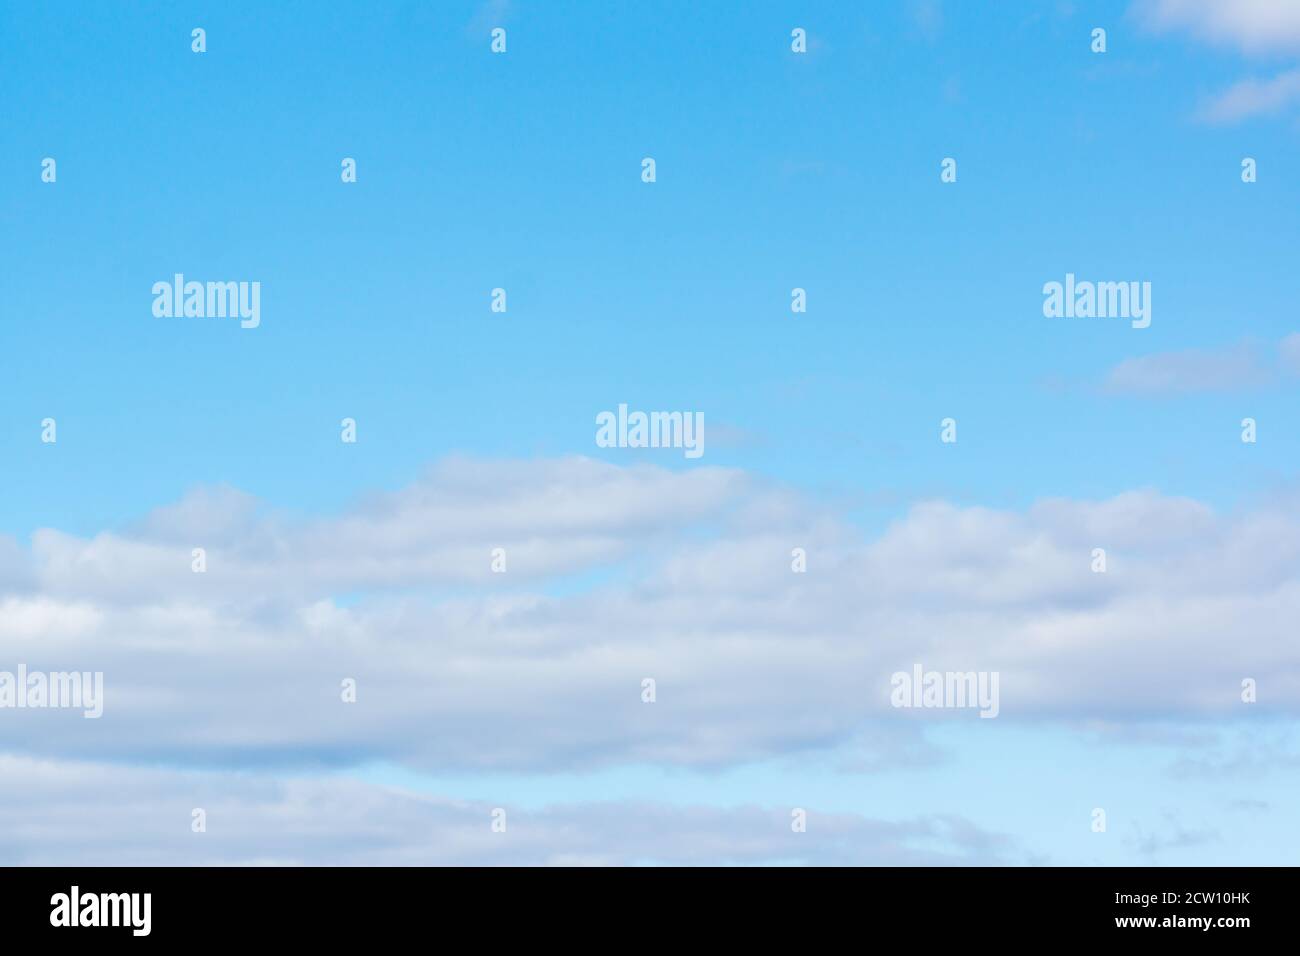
{"x":332,"y":906}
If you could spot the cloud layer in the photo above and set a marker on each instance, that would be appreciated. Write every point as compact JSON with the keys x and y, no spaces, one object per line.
{"x":143,"y":817}
{"x":620,"y":574}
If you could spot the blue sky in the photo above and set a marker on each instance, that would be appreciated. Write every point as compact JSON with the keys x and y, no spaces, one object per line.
{"x":775,"y":170}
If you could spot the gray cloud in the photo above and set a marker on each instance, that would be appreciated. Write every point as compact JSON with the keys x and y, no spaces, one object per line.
{"x":1171,"y":837}
{"x":94,"y":815}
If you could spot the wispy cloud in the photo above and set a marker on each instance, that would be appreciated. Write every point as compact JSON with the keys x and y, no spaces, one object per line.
{"x":1289,"y":353}
{"x":1254,"y":26}
{"x":1253,"y":98}
{"x":488,"y":15}
{"x":1241,"y":366}
{"x":926,"y":16}
{"x":1193,"y":370}
{"x":1173,"y":837}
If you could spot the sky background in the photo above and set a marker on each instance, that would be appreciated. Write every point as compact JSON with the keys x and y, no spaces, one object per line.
{"x":476,"y":430}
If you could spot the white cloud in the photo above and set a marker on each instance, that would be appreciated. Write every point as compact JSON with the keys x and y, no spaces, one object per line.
{"x":242,"y":666}
{"x":552,"y":518}
{"x":1254,"y":26}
